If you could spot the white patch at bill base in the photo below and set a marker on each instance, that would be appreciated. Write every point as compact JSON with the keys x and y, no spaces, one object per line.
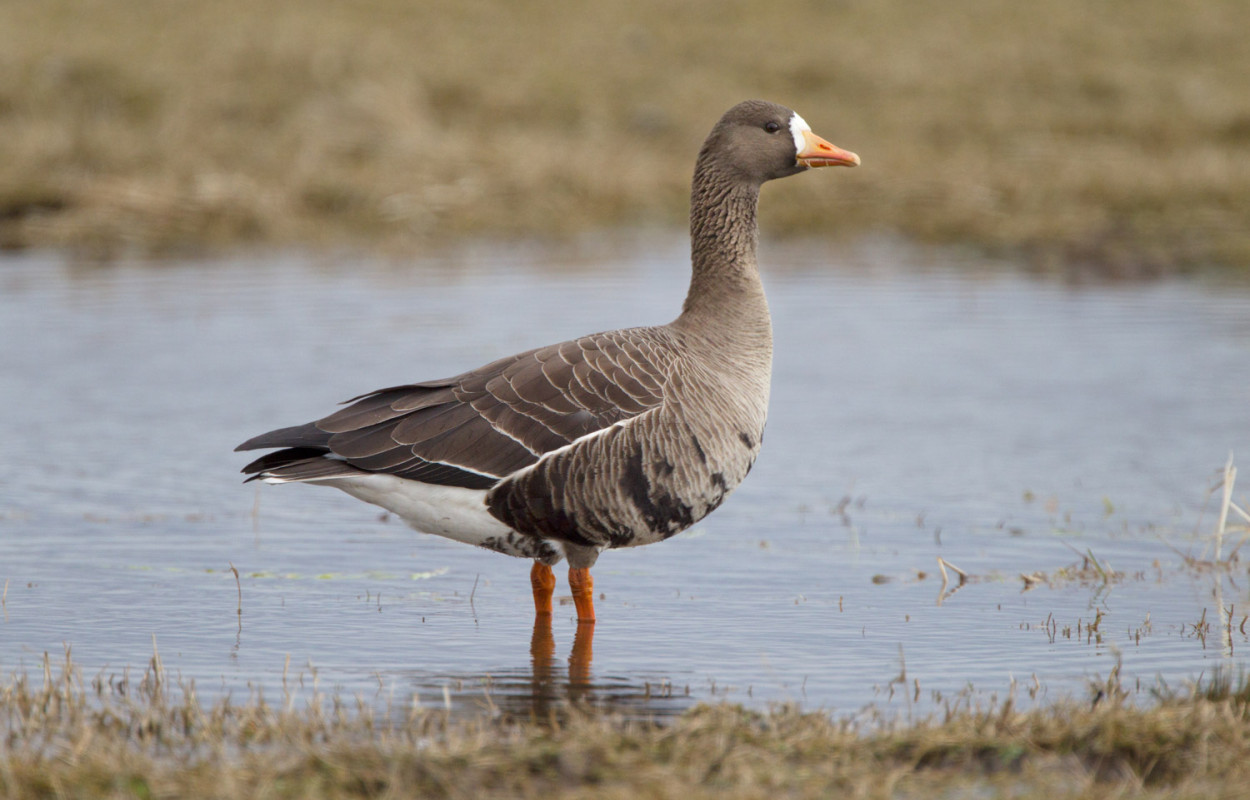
{"x":797,"y":126}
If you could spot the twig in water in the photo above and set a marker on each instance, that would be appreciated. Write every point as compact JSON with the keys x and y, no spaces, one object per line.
{"x":945,"y":581}
{"x":238,"y":610}
{"x":943,"y":563}
{"x":1230,"y":477}
{"x":963,"y":579}
{"x":1032,"y":580}
{"x":1222,"y":529}
{"x":1102,"y":573}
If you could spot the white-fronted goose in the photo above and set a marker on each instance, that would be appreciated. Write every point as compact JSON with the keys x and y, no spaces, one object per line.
{"x":615,"y":439}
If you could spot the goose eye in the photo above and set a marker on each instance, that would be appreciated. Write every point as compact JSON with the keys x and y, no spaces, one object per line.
{"x":772,"y":127}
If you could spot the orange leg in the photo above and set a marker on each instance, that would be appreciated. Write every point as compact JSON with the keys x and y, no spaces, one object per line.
{"x":583,"y":587}
{"x":544,"y":583}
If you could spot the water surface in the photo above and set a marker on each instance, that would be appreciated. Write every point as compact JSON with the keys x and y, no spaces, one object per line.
{"x":923,"y":406}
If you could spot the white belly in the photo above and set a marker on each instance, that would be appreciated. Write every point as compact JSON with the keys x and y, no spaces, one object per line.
{"x":450,"y":511}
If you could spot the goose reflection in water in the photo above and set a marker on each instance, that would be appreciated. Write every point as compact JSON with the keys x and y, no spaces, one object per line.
{"x":551,"y":688}
{"x":542,"y":659}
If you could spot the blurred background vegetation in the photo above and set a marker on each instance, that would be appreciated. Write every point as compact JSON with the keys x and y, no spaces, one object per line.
{"x":1112,"y":135}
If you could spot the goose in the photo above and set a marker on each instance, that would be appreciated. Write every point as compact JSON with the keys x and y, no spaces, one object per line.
{"x":616,"y":439}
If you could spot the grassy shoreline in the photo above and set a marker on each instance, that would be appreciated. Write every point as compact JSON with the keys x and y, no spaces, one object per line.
{"x":65,"y":737}
{"x":1115,"y":139}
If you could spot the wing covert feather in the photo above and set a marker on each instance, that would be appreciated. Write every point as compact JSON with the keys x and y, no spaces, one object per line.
{"x":475,"y":428}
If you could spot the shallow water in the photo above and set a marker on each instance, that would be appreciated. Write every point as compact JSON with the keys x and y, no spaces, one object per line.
{"x":924,"y":406}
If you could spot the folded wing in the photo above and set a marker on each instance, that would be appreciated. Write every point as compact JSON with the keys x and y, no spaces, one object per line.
{"x":475,"y":428}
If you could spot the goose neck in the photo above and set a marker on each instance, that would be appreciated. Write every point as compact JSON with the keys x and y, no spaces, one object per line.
{"x":725,"y":280}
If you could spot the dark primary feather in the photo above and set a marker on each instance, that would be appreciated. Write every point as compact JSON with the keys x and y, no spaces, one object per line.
{"x":308,"y":435}
{"x":475,"y":428}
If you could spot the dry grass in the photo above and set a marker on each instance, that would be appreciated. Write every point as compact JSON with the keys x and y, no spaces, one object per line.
{"x":143,"y":738}
{"x":1115,"y":135}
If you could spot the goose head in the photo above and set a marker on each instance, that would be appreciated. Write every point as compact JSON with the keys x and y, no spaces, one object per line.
{"x":757,"y":141}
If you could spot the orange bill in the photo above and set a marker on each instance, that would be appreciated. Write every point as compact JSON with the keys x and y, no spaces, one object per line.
{"x":817,"y":152}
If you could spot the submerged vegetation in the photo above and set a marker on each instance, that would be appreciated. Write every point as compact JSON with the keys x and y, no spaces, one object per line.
{"x":1025,"y":128}
{"x":117,"y":737}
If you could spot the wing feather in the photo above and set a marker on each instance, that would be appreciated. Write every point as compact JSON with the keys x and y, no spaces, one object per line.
{"x":475,"y":428}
